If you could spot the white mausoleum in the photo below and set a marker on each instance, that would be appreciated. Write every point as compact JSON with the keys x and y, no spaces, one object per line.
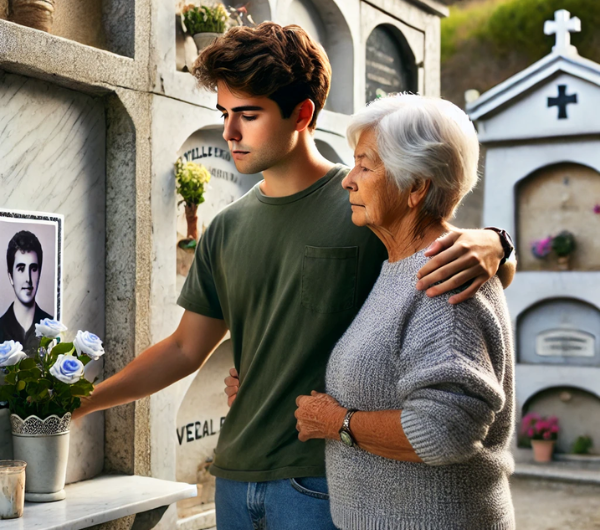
{"x":541,"y":129}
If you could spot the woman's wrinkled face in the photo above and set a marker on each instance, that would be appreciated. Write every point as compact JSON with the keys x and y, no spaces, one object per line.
{"x":375,"y":199}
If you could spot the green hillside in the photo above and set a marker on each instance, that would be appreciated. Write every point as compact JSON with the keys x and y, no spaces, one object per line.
{"x":485,"y":42}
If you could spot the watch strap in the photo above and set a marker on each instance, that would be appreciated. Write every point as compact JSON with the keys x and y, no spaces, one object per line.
{"x":506,"y":242}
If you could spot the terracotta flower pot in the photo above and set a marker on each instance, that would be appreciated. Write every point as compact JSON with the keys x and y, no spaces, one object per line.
{"x":564,"y":263}
{"x":542,"y":450}
{"x":191,"y":216}
{"x":37,"y":14}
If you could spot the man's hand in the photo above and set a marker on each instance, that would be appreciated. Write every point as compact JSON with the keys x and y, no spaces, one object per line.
{"x":318,"y":416}
{"x":461,"y":256}
{"x":232,"y":385}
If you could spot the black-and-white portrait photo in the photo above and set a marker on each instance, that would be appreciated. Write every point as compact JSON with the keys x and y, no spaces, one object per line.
{"x":30,"y":273}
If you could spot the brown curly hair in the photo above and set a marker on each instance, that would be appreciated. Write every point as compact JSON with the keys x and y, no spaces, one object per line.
{"x":282,"y":63}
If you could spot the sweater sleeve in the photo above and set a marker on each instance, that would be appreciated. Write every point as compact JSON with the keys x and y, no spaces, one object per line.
{"x":452,"y":388}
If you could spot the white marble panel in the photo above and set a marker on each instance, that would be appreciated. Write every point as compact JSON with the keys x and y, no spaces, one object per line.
{"x":52,"y":159}
{"x":97,"y":501}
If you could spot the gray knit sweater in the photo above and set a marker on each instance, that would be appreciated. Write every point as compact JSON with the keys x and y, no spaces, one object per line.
{"x":449,"y":368}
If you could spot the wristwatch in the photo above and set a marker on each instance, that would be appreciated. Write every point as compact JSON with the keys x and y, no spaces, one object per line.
{"x":345,"y":432}
{"x":506,"y":241}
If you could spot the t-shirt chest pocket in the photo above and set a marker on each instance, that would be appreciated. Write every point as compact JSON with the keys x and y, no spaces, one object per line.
{"x":329,"y":277}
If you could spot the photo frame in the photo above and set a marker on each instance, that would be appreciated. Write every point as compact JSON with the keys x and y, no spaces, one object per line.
{"x":31,"y":251}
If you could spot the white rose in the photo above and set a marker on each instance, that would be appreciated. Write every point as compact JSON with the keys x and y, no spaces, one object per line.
{"x":11,"y":353}
{"x":49,"y":328}
{"x":88,"y":343}
{"x":67,"y":369}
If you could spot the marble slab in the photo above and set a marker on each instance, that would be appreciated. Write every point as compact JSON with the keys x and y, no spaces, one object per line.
{"x":100,"y":500}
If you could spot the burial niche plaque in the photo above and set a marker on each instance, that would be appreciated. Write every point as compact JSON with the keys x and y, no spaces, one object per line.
{"x":565,"y":343}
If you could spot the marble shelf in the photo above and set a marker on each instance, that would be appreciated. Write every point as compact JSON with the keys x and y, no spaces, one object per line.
{"x":100,"y":500}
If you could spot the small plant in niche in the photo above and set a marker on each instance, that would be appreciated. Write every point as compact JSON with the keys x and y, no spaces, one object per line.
{"x":582,"y":445}
{"x":204,"y":19}
{"x":542,"y":432}
{"x":562,"y":245}
{"x":191,"y":180}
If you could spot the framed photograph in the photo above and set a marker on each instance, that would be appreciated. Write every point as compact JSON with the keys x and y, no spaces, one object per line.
{"x":30,"y":273}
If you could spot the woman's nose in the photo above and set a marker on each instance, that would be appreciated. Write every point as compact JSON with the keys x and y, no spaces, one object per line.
{"x":348,"y":183}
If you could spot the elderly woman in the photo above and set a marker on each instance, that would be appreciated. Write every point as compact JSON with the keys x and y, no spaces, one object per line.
{"x":419,"y":406}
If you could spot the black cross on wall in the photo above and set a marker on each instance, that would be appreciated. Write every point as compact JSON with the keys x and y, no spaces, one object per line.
{"x":562,"y":101}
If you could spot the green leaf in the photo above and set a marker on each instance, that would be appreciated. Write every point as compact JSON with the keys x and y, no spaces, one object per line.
{"x":10,"y":378}
{"x":44,"y":342}
{"x":84,"y":359}
{"x":21,"y":386}
{"x":64,"y":348}
{"x":27,"y":364}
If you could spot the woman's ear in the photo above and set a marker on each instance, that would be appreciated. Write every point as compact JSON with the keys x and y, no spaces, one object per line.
{"x":418,"y":192}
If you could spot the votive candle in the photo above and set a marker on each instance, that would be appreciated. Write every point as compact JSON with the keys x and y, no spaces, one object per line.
{"x":12,"y":488}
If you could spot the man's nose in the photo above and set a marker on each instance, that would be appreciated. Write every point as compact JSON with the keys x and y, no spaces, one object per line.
{"x":230,"y":132}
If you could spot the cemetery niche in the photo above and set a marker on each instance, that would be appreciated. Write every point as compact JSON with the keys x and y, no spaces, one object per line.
{"x":390,"y":64}
{"x":207,"y":148}
{"x":578,"y":412}
{"x":325,"y":22}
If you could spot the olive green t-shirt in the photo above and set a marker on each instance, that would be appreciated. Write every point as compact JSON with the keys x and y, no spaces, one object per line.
{"x":288,"y":275}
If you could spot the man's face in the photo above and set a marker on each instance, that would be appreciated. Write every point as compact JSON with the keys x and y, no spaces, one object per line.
{"x":25,"y":276}
{"x":258,"y":137}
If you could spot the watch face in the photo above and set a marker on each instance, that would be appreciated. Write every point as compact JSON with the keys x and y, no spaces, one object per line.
{"x":346,"y":439}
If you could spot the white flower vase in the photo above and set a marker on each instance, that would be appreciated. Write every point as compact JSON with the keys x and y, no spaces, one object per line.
{"x":204,"y":40}
{"x":44,"y":445}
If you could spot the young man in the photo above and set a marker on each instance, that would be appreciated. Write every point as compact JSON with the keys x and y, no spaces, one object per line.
{"x":285,"y":271}
{"x":24,"y":258}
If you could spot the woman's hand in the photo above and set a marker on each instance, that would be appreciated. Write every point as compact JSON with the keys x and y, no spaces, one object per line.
{"x":318,"y":416}
{"x":232,"y":385}
{"x":461,"y":256}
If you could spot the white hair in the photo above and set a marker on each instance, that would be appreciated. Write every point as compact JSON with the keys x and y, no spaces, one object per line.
{"x":423,"y":138}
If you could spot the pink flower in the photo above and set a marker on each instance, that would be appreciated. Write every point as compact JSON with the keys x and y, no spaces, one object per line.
{"x":554,"y":429}
{"x":531,"y":432}
{"x":597,"y":208}
{"x":553,"y":420}
{"x":542,"y":426}
{"x":547,"y":435}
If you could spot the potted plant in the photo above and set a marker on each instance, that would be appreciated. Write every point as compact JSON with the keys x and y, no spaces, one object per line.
{"x":37,"y":14}
{"x":42,"y":391}
{"x":191,"y":180}
{"x":542,"y":432}
{"x":563,"y":245}
{"x":204,"y":23}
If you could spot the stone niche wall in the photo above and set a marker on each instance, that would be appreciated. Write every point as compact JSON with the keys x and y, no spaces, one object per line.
{"x":52,"y":159}
{"x":556,"y":198}
{"x":105,"y":24}
{"x":199,"y":421}
{"x":578,"y":413}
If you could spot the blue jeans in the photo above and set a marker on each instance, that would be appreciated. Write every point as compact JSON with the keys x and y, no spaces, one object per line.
{"x":289,"y":504}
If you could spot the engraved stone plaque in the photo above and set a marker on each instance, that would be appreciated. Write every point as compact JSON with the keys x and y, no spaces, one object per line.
{"x":565,"y":343}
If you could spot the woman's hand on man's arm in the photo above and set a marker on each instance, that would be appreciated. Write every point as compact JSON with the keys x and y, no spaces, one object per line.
{"x":378,"y":432}
{"x":462,"y":256}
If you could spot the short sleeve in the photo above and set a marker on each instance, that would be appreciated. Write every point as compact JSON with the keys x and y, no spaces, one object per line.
{"x":199,"y":293}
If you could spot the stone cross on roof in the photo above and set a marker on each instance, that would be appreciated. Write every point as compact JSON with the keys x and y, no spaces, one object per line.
{"x":562,"y":26}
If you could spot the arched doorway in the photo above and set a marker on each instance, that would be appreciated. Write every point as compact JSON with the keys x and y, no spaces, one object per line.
{"x":390,"y":65}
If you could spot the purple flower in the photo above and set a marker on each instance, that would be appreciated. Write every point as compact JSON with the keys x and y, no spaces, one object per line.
{"x":541,"y":248}
{"x":597,"y":208}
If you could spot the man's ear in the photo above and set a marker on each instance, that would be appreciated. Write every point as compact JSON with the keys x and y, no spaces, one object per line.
{"x":418,"y":192}
{"x":305,"y":112}
{"x":10,"y":279}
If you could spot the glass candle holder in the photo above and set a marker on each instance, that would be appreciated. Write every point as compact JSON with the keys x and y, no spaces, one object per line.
{"x":12,"y":488}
